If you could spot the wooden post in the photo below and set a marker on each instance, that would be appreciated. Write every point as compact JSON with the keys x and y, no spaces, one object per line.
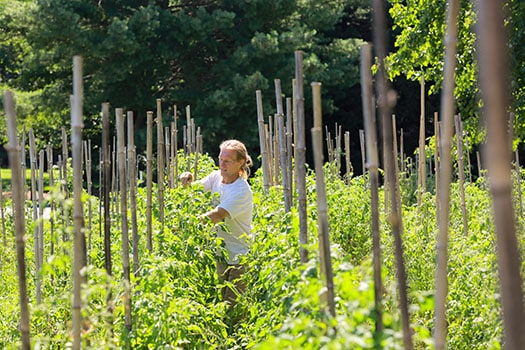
{"x":327,"y":297}
{"x":421,"y":174}
{"x":461,"y":170}
{"x":387,"y":100}
{"x":445,"y":174}
{"x":149,"y":180}
{"x":494,"y":84}
{"x":160,"y":164}
{"x":18,"y":189}
{"x":78,"y":212}
{"x":132,"y":176}
{"x":262,"y":142}
{"x":349,"y":169}
{"x":300,"y":157}
{"x":121,"y":151}
{"x":106,"y":187}
{"x":38,"y":244}
{"x":372,"y":161}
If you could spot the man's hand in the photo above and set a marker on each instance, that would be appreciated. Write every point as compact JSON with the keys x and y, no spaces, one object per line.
{"x":186,"y":178}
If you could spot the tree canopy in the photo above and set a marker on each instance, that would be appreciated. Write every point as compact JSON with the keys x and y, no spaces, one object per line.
{"x":210,"y":54}
{"x":419,"y":28}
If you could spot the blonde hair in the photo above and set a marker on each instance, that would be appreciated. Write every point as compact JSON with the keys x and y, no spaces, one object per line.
{"x":242,"y":154}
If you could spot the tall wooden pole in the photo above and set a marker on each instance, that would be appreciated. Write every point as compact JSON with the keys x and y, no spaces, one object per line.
{"x":327,"y":297}
{"x":106,"y":187}
{"x":132,"y":176}
{"x":262,"y":142}
{"x":78,"y":212}
{"x":387,"y":100}
{"x":149,"y":180}
{"x":300,"y":160}
{"x":18,"y":189}
{"x":121,"y":150}
{"x":494,"y":83}
{"x":444,"y":176}
{"x":372,"y":162}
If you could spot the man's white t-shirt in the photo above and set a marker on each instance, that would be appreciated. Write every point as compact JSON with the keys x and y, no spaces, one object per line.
{"x":237,"y":199}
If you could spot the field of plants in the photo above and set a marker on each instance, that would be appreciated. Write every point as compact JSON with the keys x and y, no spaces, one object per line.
{"x":175,"y":293}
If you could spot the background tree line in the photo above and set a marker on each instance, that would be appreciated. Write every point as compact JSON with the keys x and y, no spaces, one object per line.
{"x":214,"y":54}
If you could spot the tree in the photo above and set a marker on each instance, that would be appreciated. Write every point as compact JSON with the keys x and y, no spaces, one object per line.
{"x":419,"y":28}
{"x":209,"y":54}
{"x":418,"y":50}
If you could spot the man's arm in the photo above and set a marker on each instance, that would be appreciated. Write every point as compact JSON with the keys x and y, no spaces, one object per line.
{"x":216,"y":215}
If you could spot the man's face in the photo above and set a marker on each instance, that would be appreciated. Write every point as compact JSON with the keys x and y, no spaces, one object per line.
{"x":229,"y":165}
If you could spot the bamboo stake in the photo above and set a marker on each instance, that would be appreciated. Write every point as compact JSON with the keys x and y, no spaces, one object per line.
{"x":289,"y":147}
{"x":495,"y":87}
{"x":465,"y":139}
{"x":300,"y":157}
{"x":78,"y":213}
{"x":277,"y":141}
{"x":167,"y":155}
{"x":402,"y":151}
{"x":106,"y":188}
{"x":40,"y":221}
{"x":269,"y":144}
{"x":65,"y":157}
{"x":348,"y":163}
{"x":36,"y":236}
{"x":149,"y":180}
{"x":373,"y":168}
{"x":18,"y":190}
{"x":445,"y":174}
{"x":338,"y":147}
{"x":329,"y":147}
{"x":327,"y":296}
{"x":395,"y":163}
{"x":174,"y":144}
{"x":2,"y":211}
{"x":461,"y":168}
{"x":283,"y":157}
{"x":276,"y":164}
{"x":23,"y":158}
{"x":170,"y":154}
{"x":87,"y":157}
{"x":421,"y":174}
{"x":49,"y":151}
{"x":132,"y":163}
{"x":518,"y":180}
{"x":198,"y":141}
{"x":294,"y":133}
{"x":478,"y":159}
{"x":160,"y":164}
{"x":387,"y":100}
{"x":362,"y":144}
{"x":121,"y":150}
{"x":262,"y":142}
{"x":436,"y":158}
{"x":190,"y":139}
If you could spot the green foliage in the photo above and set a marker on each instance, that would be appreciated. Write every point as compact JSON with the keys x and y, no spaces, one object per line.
{"x":176,"y":299}
{"x":419,"y":28}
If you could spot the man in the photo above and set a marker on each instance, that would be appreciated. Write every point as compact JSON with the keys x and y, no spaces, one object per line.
{"x":235,"y":209}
